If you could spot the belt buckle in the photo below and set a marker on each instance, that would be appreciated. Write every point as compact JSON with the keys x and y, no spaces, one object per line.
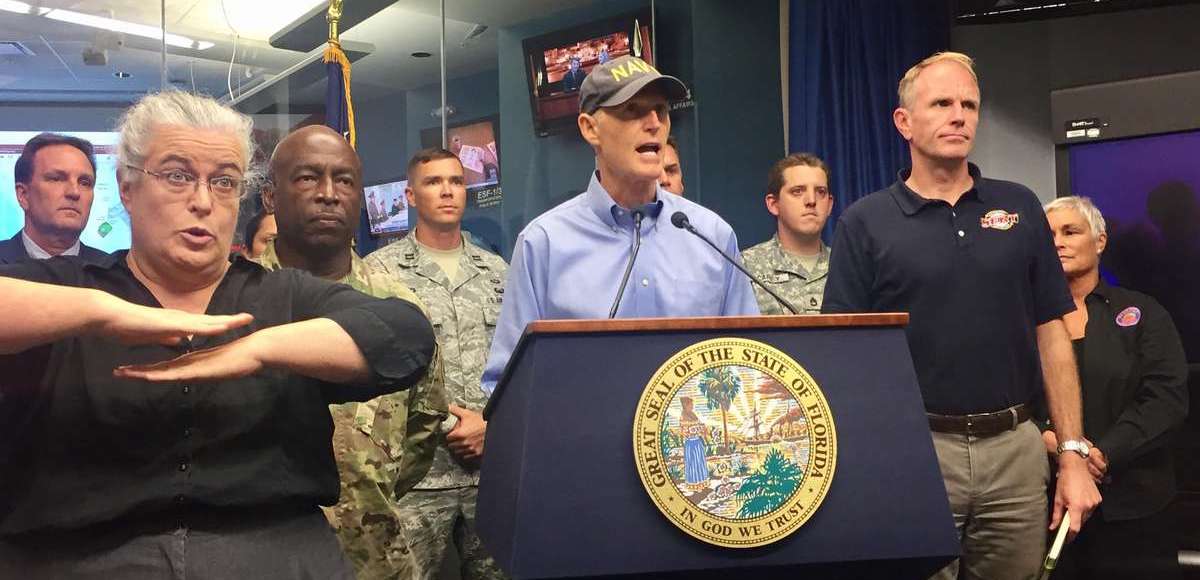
{"x":970,"y":426}
{"x":1013,"y":411}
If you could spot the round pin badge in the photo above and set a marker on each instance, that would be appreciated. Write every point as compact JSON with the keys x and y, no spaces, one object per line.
{"x":1130,"y":316}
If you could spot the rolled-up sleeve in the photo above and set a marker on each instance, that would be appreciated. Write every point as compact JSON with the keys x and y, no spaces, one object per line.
{"x":393,"y":335}
{"x":395,"y":338}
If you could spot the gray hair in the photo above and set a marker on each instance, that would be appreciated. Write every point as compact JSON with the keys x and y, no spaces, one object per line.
{"x":174,"y":107}
{"x":1085,"y":207}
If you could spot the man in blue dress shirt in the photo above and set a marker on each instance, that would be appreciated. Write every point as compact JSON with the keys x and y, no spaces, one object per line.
{"x":569,"y":261}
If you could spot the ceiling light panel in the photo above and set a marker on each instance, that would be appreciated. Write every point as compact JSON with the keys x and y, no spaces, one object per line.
{"x":122,"y":26}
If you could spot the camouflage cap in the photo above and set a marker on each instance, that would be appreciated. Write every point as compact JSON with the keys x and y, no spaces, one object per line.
{"x":619,"y":79}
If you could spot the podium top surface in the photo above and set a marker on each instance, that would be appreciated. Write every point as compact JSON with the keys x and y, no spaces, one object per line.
{"x":715,"y":323}
{"x":685,"y":324}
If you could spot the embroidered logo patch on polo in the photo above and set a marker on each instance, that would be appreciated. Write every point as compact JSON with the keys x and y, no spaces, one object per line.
{"x":999,"y":219}
{"x":1130,"y":316}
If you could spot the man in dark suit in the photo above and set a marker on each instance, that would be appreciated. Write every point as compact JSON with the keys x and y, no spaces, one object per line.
{"x":573,"y":79}
{"x":55,"y":177}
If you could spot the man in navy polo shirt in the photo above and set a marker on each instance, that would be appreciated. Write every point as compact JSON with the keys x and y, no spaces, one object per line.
{"x":972,"y":260}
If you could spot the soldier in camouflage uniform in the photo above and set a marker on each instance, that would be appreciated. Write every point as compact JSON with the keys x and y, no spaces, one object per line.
{"x":462,"y":285}
{"x":794,"y":261}
{"x":386,"y":445}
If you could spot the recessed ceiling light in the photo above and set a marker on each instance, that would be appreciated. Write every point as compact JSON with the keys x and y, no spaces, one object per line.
{"x":421,"y":54}
{"x":122,"y":74}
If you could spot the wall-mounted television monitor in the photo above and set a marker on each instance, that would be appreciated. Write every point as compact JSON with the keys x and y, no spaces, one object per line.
{"x":107,"y":226}
{"x":476,"y":143}
{"x":556,"y":64}
{"x":387,"y":207}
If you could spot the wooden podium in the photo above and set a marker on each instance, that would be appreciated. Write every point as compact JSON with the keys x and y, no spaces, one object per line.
{"x":560,"y":496}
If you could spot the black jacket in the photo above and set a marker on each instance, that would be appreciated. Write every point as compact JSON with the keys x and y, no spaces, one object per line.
{"x":1134,"y":381}
{"x":12,"y":251}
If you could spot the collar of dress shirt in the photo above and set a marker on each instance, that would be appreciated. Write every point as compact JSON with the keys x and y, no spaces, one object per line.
{"x":36,"y":252}
{"x":613,"y":215}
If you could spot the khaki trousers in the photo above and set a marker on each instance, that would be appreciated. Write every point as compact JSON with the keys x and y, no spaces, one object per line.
{"x":997,"y":491}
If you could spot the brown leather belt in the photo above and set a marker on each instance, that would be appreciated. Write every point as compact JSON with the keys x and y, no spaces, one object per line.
{"x":979,"y":424}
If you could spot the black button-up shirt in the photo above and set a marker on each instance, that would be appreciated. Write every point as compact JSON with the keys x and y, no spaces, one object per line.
{"x":81,"y":447}
{"x":977,"y":279}
{"x":1133,"y":375}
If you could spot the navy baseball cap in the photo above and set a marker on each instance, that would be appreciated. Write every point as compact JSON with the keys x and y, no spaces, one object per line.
{"x":619,"y":79}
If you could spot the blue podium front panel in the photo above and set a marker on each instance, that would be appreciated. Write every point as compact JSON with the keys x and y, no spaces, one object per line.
{"x":560,"y":495}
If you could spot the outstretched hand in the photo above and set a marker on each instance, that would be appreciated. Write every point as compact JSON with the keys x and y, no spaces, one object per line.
{"x":228,"y":361}
{"x":134,"y":324}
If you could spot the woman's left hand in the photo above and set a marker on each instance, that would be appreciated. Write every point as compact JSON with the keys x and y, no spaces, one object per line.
{"x":1097,"y":464}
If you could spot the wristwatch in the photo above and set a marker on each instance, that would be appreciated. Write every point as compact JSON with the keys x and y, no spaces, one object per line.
{"x":1080,"y":447}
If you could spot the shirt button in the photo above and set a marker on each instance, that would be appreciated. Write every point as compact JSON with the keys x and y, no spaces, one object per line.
{"x":953,"y":214}
{"x":961,"y":233}
{"x":187,"y":432}
{"x":180,"y":499}
{"x":645,"y":282}
{"x":187,"y":389}
{"x":183,"y":466}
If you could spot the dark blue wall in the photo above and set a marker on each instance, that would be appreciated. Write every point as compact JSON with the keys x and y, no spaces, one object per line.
{"x":471,"y":97}
{"x":377,"y":123}
{"x":739,"y":109}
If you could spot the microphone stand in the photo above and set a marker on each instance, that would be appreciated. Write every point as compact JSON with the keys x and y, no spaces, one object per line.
{"x":637,"y":245}
{"x":680,"y":220}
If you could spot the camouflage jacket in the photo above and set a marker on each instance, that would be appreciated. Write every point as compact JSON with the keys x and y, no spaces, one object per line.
{"x":783,"y":273}
{"x":382,"y":447}
{"x":464,"y":318}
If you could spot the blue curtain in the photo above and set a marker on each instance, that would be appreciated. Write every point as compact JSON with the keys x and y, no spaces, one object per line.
{"x":845,"y":60}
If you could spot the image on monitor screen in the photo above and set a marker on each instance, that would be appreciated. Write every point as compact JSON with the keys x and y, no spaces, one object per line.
{"x":387,"y":207}
{"x":107,"y":226}
{"x":1148,"y":189}
{"x":566,"y":66}
{"x":475,"y":146}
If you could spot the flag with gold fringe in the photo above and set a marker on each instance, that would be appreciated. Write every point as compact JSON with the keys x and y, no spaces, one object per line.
{"x":339,"y":109}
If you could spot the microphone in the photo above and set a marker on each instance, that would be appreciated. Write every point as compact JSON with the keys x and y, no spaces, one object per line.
{"x":680,"y":220}
{"x":637,"y":245}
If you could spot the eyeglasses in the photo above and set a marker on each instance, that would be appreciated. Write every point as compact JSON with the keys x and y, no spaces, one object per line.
{"x":181,"y":182}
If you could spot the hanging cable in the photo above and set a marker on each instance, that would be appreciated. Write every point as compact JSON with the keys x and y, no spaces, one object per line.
{"x":236,"y":36}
